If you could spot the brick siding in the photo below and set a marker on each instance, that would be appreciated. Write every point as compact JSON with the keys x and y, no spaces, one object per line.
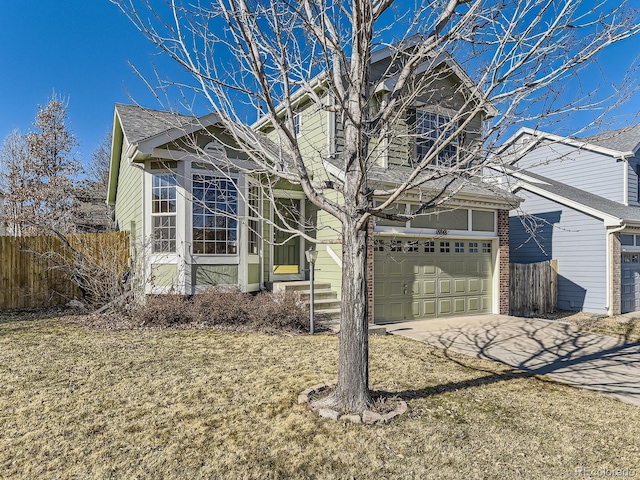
{"x":370,"y":242}
{"x":503,"y":260}
{"x":615,"y":299}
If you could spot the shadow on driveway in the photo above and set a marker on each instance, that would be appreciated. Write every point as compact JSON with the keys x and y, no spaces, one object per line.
{"x":536,"y":347}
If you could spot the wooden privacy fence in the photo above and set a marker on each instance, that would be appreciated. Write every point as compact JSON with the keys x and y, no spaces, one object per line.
{"x":36,"y":271}
{"x":533,"y":288}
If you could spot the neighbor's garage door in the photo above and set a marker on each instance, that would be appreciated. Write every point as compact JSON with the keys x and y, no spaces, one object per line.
{"x":630,"y":277}
{"x":421,"y":279}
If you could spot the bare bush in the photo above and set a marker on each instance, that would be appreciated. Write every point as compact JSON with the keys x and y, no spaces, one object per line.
{"x":221,"y":308}
{"x":163,"y":311}
{"x":217,"y":306}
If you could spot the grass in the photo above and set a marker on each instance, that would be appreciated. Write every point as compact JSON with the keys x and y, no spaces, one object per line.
{"x":84,"y":403}
{"x":628,"y":329}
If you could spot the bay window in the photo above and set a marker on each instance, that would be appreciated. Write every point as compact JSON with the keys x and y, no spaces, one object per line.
{"x":215,"y":215}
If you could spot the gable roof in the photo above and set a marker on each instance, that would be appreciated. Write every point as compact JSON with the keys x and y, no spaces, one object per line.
{"x":623,"y":139}
{"x":527,"y":139}
{"x":139,"y":123}
{"x":611,"y":212}
{"x":146,"y":129}
{"x":317,"y":83}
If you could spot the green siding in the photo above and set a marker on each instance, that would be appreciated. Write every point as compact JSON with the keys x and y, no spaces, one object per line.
{"x":214,"y":275}
{"x":327,"y":270}
{"x":129,"y":199}
{"x":312,"y":139}
{"x":253,"y":274}
{"x":164,"y":275}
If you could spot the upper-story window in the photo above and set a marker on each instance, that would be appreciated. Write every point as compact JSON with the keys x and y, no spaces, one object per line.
{"x":215,"y":215}
{"x":297,"y":122}
{"x":432,"y":128}
{"x":163,"y":213}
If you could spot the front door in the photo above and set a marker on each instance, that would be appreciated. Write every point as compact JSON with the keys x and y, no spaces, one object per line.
{"x":287,"y":249}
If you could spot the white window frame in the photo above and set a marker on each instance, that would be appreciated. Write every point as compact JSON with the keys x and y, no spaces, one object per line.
{"x":429,"y":134}
{"x":162,"y":214}
{"x":212,"y":177}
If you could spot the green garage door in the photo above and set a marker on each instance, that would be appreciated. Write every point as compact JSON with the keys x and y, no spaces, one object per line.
{"x":421,"y":279}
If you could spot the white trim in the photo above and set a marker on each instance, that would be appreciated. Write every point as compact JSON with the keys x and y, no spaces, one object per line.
{"x":148,"y":145}
{"x":609,"y":220}
{"x":504,"y":170}
{"x":292,"y":195}
{"x":333,"y":170}
{"x":432,"y":234}
{"x":574,"y":142}
{"x":334,"y":256}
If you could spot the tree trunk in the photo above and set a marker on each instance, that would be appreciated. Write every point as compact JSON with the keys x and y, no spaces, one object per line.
{"x":352,"y":390}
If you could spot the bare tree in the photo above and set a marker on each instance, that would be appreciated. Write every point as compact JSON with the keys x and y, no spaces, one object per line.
{"x":38,"y":173}
{"x":93,"y":213}
{"x":13,"y":181}
{"x":520,"y":56}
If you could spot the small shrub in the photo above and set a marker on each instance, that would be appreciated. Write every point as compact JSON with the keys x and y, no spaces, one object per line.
{"x":226,"y":308}
{"x":163,"y":311}
{"x":280,"y":311}
{"x":218,"y":306}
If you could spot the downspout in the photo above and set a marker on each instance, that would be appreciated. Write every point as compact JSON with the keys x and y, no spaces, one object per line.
{"x":608,"y":264}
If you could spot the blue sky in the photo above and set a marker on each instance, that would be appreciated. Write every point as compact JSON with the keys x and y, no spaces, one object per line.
{"x":81,"y":48}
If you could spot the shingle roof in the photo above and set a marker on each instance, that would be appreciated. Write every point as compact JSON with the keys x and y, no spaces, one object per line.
{"x":139,"y":123}
{"x":471,"y":186}
{"x":585,"y":198}
{"x":624,"y":140}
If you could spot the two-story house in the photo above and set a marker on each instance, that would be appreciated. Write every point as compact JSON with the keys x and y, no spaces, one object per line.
{"x":581,"y":207}
{"x":202,"y":223}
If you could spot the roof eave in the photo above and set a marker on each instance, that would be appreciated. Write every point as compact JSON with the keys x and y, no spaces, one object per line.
{"x":608,"y":219}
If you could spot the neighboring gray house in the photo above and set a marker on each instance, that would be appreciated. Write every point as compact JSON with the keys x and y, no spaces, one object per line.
{"x":581,"y":207}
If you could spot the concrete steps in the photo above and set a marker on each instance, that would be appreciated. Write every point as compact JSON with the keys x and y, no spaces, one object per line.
{"x":326,"y":303}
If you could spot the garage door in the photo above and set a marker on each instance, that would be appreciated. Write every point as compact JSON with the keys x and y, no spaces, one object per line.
{"x":421,"y":279}
{"x":630,"y":288}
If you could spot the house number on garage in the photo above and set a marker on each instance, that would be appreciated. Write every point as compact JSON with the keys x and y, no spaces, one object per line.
{"x":442,"y":231}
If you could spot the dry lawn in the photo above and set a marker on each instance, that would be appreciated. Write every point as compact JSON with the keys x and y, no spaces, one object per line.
{"x":623,"y":326}
{"x":91,"y":404}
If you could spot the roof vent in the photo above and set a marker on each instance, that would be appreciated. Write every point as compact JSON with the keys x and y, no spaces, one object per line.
{"x":216,"y":150}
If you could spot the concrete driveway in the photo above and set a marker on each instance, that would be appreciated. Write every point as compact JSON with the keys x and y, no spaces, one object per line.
{"x":566,"y":354}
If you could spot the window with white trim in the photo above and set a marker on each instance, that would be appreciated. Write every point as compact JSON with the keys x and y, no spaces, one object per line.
{"x":215,"y":215}
{"x":163,"y":213}
{"x":431,"y":129}
{"x":297,"y":122}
